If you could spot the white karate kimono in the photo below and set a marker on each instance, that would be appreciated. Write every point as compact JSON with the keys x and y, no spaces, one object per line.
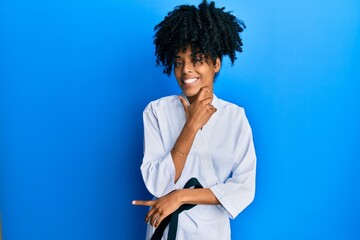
{"x":222,"y":158}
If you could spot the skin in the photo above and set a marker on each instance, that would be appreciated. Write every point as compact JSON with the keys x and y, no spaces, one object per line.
{"x":196,"y":79}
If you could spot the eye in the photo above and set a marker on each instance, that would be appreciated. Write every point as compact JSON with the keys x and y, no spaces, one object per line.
{"x":177,"y":64}
{"x":198,"y":60}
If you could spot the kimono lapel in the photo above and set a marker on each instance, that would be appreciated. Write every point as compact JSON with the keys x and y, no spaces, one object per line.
{"x":202,"y":146}
{"x":201,"y":143}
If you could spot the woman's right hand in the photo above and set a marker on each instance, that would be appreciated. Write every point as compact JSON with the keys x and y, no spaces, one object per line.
{"x":199,"y":112}
{"x":161,"y":207}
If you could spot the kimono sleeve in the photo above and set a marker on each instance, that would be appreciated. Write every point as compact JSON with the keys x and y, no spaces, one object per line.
{"x":157,"y":167}
{"x":238,"y":191}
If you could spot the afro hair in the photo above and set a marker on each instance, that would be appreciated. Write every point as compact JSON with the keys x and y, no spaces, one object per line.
{"x":207,"y":29}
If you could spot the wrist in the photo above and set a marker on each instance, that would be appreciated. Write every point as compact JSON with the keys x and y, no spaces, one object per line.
{"x":182,"y":196}
{"x":174,"y":150}
{"x":191,"y":127}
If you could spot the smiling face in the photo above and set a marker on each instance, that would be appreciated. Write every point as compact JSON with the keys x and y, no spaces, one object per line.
{"x":194,"y":75}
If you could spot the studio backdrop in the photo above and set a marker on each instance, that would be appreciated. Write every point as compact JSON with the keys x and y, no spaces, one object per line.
{"x":75,"y":77}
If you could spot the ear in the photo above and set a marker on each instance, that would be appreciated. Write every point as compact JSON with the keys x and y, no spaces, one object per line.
{"x":217,"y":65}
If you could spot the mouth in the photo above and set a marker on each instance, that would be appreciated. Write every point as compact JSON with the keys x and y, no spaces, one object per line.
{"x":190,"y":81}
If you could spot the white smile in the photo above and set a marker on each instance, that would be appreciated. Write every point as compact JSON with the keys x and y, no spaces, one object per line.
{"x":190,"y":81}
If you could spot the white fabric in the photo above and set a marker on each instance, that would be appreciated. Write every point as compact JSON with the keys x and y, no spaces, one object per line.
{"x":222,"y":158}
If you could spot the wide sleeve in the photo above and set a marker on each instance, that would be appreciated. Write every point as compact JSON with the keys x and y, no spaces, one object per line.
{"x":157,"y":168}
{"x":238,"y":191}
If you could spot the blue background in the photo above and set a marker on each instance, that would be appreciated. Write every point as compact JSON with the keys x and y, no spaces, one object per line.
{"x":76,"y":75}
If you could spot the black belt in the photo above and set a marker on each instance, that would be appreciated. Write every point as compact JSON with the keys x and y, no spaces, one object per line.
{"x":174,"y":217}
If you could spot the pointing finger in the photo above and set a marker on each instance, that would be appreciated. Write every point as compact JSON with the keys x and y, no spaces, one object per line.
{"x":142,"y":203}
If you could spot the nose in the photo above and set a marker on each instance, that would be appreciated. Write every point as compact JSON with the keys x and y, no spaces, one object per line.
{"x":188,"y":67}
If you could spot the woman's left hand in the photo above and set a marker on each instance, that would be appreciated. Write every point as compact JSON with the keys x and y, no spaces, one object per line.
{"x":161,"y":207}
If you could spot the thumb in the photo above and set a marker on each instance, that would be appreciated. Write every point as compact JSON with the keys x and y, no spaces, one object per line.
{"x":184,"y":103}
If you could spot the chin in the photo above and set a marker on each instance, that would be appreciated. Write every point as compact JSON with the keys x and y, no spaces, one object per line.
{"x":191,"y":93}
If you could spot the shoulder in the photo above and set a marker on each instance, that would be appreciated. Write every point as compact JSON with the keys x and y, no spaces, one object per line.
{"x":232,"y":114}
{"x":227,"y":107}
{"x":161,"y":104}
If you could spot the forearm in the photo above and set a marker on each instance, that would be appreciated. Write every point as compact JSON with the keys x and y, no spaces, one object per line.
{"x":198,"y":196}
{"x":182,"y":148}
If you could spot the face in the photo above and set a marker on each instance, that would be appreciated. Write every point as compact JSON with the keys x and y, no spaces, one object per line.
{"x":194,"y":75}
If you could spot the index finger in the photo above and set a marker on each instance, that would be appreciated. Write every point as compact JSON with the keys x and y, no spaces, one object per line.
{"x":142,"y":203}
{"x":203,"y":92}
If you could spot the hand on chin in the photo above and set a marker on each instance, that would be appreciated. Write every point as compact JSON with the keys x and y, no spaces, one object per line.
{"x":193,"y":95}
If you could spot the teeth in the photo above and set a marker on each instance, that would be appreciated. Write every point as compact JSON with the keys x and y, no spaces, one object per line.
{"x":190,"y":80}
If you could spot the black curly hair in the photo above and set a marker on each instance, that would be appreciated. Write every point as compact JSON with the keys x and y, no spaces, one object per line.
{"x":208,"y":30}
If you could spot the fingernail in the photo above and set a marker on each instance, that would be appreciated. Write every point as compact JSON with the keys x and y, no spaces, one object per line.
{"x":133,"y":202}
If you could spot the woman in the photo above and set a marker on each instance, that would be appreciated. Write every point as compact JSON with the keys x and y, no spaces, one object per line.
{"x":199,"y":158}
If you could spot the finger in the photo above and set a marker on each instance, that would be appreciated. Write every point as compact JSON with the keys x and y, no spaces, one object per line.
{"x":150,"y":214}
{"x":208,"y":93}
{"x":203,"y":92}
{"x":206,"y":89}
{"x":207,"y":100}
{"x":211,"y":110}
{"x":142,"y":203}
{"x":184,"y":103}
{"x":154,"y":219}
{"x":159,"y":220}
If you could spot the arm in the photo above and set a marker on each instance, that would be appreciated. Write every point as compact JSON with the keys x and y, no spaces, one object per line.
{"x":198,"y":114}
{"x":161,"y":168}
{"x":198,"y":196}
{"x":164,"y":206}
{"x":238,"y":191}
{"x":233,"y":196}
{"x":182,"y":147}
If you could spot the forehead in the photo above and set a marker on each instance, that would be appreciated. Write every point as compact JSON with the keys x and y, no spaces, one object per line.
{"x":185,"y":52}
{"x":181,"y":53}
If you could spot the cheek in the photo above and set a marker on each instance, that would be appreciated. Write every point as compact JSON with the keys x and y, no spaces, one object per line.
{"x":209,"y":73}
{"x":177,"y":71}
{"x":177,"y":76}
